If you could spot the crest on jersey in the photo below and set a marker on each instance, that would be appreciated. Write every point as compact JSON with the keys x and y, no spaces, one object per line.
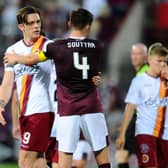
{"x":145,"y":158}
{"x":144,"y":148}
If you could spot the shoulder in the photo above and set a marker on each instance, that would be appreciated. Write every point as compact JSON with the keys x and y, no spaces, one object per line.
{"x":60,"y":41}
{"x":57,"y":42}
{"x":12,"y":47}
{"x":46,"y":43}
{"x":139,"y":79}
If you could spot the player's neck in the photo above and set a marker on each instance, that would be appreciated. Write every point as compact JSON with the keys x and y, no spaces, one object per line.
{"x":152,"y":73}
{"x":29,"y":41}
{"x":77,"y":33}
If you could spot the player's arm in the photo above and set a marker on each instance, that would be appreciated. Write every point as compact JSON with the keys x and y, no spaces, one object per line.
{"x":128,"y":114}
{"x":5,"y":92}
{"x":15,"y":117}
{"x":33,"y":58}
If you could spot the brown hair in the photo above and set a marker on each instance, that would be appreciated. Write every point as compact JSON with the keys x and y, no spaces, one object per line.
{"x":23,"y":12}
{"x":80,"y":18}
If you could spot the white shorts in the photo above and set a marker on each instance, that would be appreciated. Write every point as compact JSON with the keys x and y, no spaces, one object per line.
{"x":54,"y":127}
{"x":93,"y":127}
{"x":83,"y":151}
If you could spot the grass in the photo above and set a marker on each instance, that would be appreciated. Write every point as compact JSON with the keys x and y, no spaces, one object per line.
{"x":8,"y":165}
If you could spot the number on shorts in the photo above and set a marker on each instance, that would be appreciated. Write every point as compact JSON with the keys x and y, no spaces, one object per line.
{"x":26,"y":137}
{"x":84,"y":66}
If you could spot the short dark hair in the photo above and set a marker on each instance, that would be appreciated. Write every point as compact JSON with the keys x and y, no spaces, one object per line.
{"x":23,"y":12}
{"x":80,"y":18}
{"x":157,"y":49}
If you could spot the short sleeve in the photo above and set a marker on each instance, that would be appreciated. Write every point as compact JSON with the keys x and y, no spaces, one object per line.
{"x":133,"y":92}
{"x":9,"y":67}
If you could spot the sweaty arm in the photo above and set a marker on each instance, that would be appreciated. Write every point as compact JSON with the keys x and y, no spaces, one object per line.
{"x":128,"y":114}
{"x":5,"y":92}
{"x":33,"y":58}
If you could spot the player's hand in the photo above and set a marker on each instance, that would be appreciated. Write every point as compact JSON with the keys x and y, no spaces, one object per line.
{"x":97,"y":79}
{"x":2,"y":119}
{"x":16,"y":132}
{"x":120,"y":142}
{"x":10,"y":58}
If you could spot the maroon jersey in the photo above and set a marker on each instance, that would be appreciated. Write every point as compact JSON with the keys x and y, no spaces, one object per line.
{"x":77,"y":61}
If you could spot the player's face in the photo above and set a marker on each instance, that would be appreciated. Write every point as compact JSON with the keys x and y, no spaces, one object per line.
{"x":32,"y":28}
{"x":164,"y":72}
{"x":138,"y":57}
{"x":157,"y":63}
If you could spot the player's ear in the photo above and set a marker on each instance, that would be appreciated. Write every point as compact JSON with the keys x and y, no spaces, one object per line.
{"x":88,"y":26}
{"x":20,"y":27}
{"x":69,"y":23}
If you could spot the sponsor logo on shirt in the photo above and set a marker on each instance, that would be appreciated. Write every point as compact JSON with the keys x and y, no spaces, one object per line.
{"x":157,"y":102}
{"x":26,"y":70}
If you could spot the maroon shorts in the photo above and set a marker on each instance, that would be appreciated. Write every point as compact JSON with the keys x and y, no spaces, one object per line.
{"x":35,"y":131}
{"x":52,"y":151}
{"x":164,"y":146}
{"x":149,"y":151}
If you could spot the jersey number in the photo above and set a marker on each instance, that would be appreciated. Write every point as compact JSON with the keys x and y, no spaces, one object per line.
{"x":84,"y":66}
{"x":26,"y":137}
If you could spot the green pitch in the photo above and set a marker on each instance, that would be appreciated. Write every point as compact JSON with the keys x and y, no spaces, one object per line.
{"x":7,"y":165}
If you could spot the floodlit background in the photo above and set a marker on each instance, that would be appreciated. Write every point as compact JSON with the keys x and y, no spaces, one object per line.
{"x":118,"y":23}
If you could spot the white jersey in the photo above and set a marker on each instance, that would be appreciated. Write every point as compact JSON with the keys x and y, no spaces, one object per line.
{"x":32,"y":82}
{"x":144,"y":92}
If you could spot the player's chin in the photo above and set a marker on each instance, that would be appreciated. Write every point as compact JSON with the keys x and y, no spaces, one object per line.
{"x":36,"y":34}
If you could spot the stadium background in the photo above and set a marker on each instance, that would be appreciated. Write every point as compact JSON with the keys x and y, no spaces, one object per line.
{"x":118,"y":23}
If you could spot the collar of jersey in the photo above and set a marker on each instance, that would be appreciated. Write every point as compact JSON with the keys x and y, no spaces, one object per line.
{"x":79,"y":38}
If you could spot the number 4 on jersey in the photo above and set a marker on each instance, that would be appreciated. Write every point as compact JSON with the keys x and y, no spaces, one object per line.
{"x":84,"y":66}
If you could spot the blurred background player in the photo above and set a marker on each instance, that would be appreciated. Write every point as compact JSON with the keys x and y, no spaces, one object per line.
{"x":139,"y":62}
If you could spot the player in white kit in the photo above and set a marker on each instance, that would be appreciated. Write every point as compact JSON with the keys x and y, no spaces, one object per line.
{"x":32,"y":83}
{"x":148,"y":95}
